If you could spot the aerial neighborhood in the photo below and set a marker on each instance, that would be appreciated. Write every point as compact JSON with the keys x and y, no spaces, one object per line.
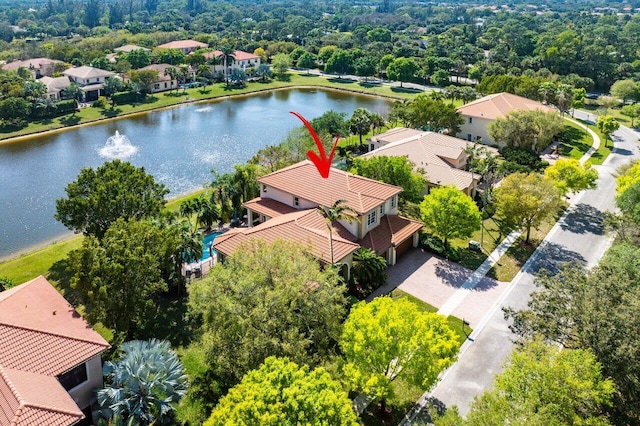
{"x":319,"y":213}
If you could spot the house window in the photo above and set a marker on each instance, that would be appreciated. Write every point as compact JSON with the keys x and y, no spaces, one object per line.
{"x":470,"y":120}
{"x":296,"y":201}
{"x":469,"y":137}
{"x":74,"y":377}
{"x":264,"y":188}
{"x":371,"y":218}
{"x":165,"y":85}
{"x":393,"y":202}
{"x":382,"y":209}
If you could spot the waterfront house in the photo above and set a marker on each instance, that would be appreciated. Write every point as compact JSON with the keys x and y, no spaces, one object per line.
{"x":55,"y":86}
{"x":91,"y":80}
{"x":186,"y":46}
{"x":287,"y":209}
{"x":39,"y":67}
{"x":242,"y":60}
{"x":164,"y":81}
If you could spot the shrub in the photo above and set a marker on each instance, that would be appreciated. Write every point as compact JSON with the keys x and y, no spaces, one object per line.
{"x":517,"y":159}
{"x":100,"y":103}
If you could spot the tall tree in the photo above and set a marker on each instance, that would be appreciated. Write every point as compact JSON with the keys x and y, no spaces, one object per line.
{"x":631,"y":111}
{"x":402,"y":70}
{"x":115,"y":190}
{"x":339,"y":210}
{"x":143,"y":385}
{"x":331,"y":123}
{"x":279,"y":392}
{"x":594,"y":310}
{"x":360,"y":122}
{"x":228,"y":57}
{"x":265,"y":299}
{"x":369,"y":271}
{"x":340,"y":62}
{"x":625,"y":90}
{"x":542,"y":384}
{"x":425,"y":112}
{"x":450,"y":213}
{"x":281,"y":64}
{"x":117,"y":277}
{"x":607,"y":125}
{"x":527,"y":129}
{"x":525,"y":201}
{"x":386,"y":338}
{"x":571,"y":176}
{"x":397,"y":171}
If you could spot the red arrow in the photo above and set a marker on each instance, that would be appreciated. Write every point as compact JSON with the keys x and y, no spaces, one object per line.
{"x":323,"y":164}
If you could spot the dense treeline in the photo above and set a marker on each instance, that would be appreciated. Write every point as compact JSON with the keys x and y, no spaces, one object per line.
{"x":592,"y":49}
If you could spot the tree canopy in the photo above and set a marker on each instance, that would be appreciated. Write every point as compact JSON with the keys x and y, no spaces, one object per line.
{"x":594,"y":310}
{"x":570,"y":176}
{"x":115,"y":190}
{"x":267,"y":299}
{"x":524,"y":201}
{"x":279,"y":392}
{"x":450,"y":213}
{"x":394,"y":171}
{"x":542,"y":385}
{"x":389,"y":337}
{"x":526,"y":129}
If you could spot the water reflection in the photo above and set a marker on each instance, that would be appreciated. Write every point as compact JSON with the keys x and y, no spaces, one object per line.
{"x":179,"y":146}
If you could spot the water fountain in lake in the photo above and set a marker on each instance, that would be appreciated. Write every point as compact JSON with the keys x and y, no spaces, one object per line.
{"x":118,"y":146}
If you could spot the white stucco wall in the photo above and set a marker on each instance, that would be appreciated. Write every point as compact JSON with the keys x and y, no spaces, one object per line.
{"x":478,"y":127}
{"x":81,"y":394}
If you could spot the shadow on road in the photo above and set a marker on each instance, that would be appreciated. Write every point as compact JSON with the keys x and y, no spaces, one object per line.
{"x":583,"y":219}
{"x":552,"y":256}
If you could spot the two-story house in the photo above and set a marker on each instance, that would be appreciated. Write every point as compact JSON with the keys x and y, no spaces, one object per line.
{"x":441,"y":159}
{"x":49,"y":358}
{"x":90,"y":79}
{"x":186,"y":46}
{"x":39,"y":67}
{"x":480,"y":113}
{"x":164,"y":81}
{"x":241,"y":60}
{"x":287,"y":209}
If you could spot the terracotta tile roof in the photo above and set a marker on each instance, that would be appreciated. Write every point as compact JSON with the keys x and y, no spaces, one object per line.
{"x":428,"y":152}
{"x":41,"y":332}
{"x":392,"y":231}
{"x":397,"y":134}
{"x":303,"y":180}
{"x":35,"y":63}
{"x":239,"y":55}
{"x":183,"y":44}
{"x":28,"y":399}
{"x":499,"y":105}
{"x":306,"y":227}
{"x":268,"y":207}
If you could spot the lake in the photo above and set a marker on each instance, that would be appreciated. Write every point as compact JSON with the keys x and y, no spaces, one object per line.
{"x":178,"y":146}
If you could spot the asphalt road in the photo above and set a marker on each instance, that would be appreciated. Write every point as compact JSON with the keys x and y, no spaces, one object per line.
{"x":578,"y":236}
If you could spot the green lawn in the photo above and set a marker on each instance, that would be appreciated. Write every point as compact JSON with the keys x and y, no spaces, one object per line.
{"x":216,"y":91}
{"x":576,"y":141}
{"x":406,"y":394}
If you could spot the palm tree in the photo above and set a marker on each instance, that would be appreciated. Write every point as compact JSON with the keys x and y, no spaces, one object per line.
{"x":172,"y":72}
{"x":143,"y":386}
{"x":208,"y":214}
{"x":73,"y":91}
{"x":360,"y":122}
{"x":228,"y":55}
{"x":338,"y":211}
{"x":369,"y":270}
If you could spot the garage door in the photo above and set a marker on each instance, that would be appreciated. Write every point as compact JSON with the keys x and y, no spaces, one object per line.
{"x":404,"y":247}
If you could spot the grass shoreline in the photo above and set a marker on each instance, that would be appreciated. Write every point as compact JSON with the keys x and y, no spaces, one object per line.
{"x":196,"y":96}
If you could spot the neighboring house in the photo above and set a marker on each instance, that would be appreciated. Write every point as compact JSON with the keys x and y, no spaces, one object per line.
{"x":287,"y":209}
{"x":90,"y":79}
{"x":441,"y":158}
{"x":479,"y":114}
{"x":187,"y":46}
{"x":242,"y":60}
{"x":55,"y":86}
{"x":164,"y":81}
{"x":49,"y":358}
{"x":39,"y":67}
{"x":113,"y":57}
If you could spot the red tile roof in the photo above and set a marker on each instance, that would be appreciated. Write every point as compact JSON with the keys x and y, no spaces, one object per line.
{"x":392,"y":231}
{"x":307,"y":227}
{"x":183,"y":44}
{"x":238,"y":55}
{"x":303,"y":180}
{"x":35,"y":63}
{"x":41,"y":332}
{"x":499,"y":105}
{"x":28,"y":399}
{"x":268,"y":207}
{"x":161,"y":68}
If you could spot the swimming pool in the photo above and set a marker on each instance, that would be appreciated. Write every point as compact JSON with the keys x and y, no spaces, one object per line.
{"x":207,"y":245}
